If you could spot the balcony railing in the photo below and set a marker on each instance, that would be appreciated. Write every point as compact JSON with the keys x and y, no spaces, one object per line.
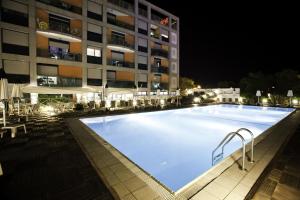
{"x":59,"y":56}
{"x":161,"y":69}
{"x":120,"y":84}
{"x":63,"y":5}
{"x":120,"y":41}
{"x":58,"y":81}
{"x":160,"y":52}
{"x":64,"y":28}
{"x":122,"y":4}
{"x":120,"y":24}
{"x":118,"y":63}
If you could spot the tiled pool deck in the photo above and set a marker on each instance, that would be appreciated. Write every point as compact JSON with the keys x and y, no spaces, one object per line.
{"x":226,"y":181}
{"x":47,"y":163}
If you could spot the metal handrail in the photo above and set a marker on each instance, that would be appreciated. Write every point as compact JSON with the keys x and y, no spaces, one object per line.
{"x":252,"y":142}
{"x":231,"y":135}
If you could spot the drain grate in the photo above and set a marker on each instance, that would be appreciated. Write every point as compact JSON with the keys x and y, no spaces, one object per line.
{"x":268,"y":187}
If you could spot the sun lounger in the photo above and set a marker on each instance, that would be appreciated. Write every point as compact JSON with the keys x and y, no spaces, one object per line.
{"x":13,"y":128}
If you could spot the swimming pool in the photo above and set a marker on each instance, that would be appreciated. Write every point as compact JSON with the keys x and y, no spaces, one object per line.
{"x":175,"y":146}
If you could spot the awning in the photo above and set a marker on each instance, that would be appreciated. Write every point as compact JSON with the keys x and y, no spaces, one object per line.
{"x":60,"y":90}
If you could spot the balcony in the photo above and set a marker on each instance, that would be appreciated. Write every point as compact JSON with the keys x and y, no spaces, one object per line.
{"x":120,"y":84}
{"x":120,"y":24}
{"x":161,"y":69}
{"x":161,"y":53}
{"x":62,"y":5}
{"x":57,"y":81}
{"x":120,"y":44}
{"x":118,"y":63}
{"x":58,"y":56}
{"x":54,"y":29}
{"x":122,"y":4}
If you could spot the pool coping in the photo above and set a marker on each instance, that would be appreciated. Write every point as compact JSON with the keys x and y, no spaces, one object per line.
{"x":127,"y":181}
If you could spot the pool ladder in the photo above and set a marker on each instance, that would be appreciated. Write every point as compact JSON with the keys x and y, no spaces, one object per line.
{"x":227,"y":139}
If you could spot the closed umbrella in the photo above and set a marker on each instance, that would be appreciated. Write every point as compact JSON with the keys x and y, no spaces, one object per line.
{"x":3,"y":92}
{"x":17,"y":93}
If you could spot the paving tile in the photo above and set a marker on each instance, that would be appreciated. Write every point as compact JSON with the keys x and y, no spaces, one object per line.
{"x":204,"y":195}
{"x":217,"y":190}
{"x":121,"y":190}
{"x":134,"y":183}
{"x":145,"y":193}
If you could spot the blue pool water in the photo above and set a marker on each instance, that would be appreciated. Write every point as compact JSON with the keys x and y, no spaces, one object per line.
{"x":175,"y":146}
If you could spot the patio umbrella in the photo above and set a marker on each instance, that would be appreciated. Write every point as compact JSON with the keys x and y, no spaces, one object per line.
{"x":17,"y":93}
{"x":3,"y":92}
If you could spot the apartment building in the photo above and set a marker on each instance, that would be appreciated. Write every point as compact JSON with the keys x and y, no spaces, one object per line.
{"x":88,"y":46}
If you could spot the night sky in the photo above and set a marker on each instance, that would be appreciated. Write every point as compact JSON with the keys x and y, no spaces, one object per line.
{"x":226,"y":42}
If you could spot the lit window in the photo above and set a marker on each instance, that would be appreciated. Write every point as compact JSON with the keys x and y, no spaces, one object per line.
{"x":97,"y":53}
{"x":90,"y":52}
{"x":93,"y":52}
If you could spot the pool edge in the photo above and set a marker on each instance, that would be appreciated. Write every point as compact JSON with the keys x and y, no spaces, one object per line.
{"x":178,"y":195}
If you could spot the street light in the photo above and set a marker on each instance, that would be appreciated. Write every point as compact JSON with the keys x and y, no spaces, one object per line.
{"x":290,"y":95}
{"x":258,"y":94}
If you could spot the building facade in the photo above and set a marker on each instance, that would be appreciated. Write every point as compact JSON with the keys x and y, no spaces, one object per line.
{"x":95,"y":44}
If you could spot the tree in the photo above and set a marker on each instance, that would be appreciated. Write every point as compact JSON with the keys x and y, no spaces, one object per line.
{"x":186,"y":83}
{"x":274,"y":86}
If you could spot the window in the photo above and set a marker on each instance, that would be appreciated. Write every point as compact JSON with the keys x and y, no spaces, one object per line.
{"x":143,"y":10}
{"x":15,"y":42}
{"x":93,"y":52}
{"x":94,"y":11}
{"x":94,"y":33}
{"x":173,"y":38}
{"x":14,"y":13}
{"x":173,"y":52}
{"x":142,"y":27}
{"x":17,"y":71}
{"x":142,"y":62}
{"x":143,"y":45}
{"x":94,"y":77}
{"x":142,"y":80}
{"x":174,"y":67}
{"x":94,"y":55}
{"x":164,"y":35}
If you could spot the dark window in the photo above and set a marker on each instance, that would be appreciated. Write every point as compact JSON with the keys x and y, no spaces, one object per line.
{"x":143,"y":49}
{"x":95,"y":16}
{"x":58,"y":23}
{"x":15,"y":49}
{"x":143,"y":10}
{"x":142,"y":31}
{"x":94,"y":60}
{"x":142,"y":66}
{"x":17,"y":78}
{"x":165,"y":39}
{"x":142,"y":84}
{"x":95,"y":82}
{"x":96,"y":37}
{"x":14,"y":17}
